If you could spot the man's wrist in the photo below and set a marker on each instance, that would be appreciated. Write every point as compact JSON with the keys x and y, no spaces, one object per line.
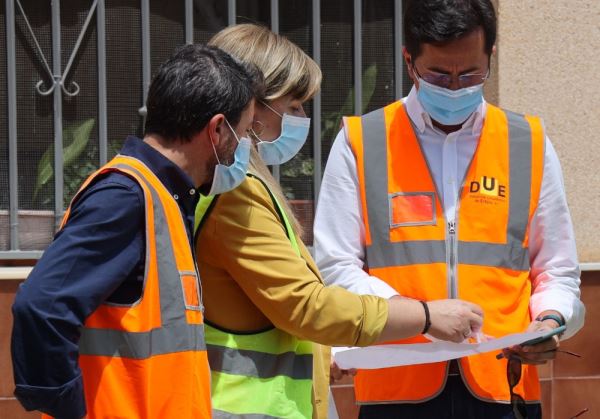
{"x":552,"y":318}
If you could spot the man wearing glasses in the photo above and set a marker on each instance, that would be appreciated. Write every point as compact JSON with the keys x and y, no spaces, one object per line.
{"x":443,"y":195}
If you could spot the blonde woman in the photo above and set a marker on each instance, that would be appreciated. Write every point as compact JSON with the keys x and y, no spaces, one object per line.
{"x":264,"y":299}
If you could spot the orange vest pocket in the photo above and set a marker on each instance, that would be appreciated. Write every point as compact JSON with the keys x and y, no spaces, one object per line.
{"x":412,"y":209}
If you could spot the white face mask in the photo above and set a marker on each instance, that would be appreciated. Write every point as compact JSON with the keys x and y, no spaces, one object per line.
{"x":294,"y":132}
{"x":230,"y":177}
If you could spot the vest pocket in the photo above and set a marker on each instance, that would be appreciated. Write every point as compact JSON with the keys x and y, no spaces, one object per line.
{"x":191,"y":290}
{"x":411,"y":209}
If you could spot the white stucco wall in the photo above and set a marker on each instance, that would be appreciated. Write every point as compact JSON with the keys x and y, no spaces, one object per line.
{"x":549,"y":64}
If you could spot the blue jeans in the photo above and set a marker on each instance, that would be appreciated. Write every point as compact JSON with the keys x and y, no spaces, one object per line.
{"x":454,"y":402}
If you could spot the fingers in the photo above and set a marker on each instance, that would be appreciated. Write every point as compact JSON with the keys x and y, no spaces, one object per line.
{"x":534,"y":354}
{"x":458,"y":337}
{"x":474,"y":308}
{"x":535,"y":326}
{"x":533,"y":362}
{"x":336,"y":373}
{"x":474,"y":317}
{"x":454,"y":320}
{"x":545,"y":346}
{"x":538,"y":358}
{"x":475,"y":323}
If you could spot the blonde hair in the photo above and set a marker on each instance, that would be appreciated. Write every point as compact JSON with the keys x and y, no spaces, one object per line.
{"x":287,"y":71}
{"x":286,"y":68}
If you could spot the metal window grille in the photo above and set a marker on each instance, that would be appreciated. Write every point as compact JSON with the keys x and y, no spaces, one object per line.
{"x":77,"y":74}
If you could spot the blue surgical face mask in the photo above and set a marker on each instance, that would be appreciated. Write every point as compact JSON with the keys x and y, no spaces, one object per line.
{"x":230,"y":177}
{"x":449,"y":107}
{"x":294,"y":131}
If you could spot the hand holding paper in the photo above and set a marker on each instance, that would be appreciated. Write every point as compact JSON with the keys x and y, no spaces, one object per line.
{"x":538,"y":351}
{"x":454,"y":320}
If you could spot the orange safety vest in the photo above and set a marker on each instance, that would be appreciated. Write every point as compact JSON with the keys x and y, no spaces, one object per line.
{"x":483,"y":257}
{"x":148,"y":359}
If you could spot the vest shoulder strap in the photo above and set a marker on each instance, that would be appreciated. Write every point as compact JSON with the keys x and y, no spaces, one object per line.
{"x":203,"y":210}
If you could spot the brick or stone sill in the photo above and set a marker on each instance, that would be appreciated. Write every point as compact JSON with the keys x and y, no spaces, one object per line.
{"x":14,"y":273}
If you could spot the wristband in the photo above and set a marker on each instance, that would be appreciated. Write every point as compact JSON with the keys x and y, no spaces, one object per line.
{"x":427,"y":318}
{"x":558,"y":319}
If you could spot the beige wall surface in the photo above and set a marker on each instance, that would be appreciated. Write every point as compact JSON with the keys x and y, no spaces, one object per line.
{"x":549,"y":65}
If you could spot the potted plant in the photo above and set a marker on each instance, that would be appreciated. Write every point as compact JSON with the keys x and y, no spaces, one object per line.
{"x":37,"y":227}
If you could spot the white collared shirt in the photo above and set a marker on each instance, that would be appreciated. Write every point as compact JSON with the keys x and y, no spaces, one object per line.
{"x":339,"y":228}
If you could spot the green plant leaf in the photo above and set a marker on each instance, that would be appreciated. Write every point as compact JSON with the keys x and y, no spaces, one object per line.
{"x":75,"y":141}
{"x":81,"y":136}
{"x":44,"y":171}
{"x":369,"y":81}
{"x":333,"y":121}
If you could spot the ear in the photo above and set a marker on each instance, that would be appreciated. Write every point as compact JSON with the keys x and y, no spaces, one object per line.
{"x":260,"y":113}
{"x":409,"y":64}
{"x":215,"y":129}
{"x":494,"y":50}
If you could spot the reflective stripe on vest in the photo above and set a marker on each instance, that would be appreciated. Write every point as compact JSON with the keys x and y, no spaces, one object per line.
{"x":134,"y":358}
{"x":252,"y":363}
{"x":258,"y":375}
{"x":219,"y":414}
{"x":484,"y":258}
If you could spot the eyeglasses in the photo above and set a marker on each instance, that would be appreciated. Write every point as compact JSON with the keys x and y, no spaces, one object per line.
{"x":445,"y":80}
{"x":513,"y":376}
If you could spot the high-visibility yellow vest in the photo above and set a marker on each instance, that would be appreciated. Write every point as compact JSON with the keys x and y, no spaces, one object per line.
{"x":482,"y":257}
{"x":267,"y":374}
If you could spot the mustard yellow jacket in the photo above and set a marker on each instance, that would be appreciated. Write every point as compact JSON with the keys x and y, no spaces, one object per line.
{"x":252,"y":278}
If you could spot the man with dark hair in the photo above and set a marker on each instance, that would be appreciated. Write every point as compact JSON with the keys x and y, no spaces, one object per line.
{"x":443,"y":195}
{"x":109,"y":323}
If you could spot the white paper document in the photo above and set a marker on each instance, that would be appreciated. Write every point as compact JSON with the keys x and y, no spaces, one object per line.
{"x":385,"y":356}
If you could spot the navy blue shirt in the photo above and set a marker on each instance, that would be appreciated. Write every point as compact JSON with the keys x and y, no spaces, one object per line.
{"x":98,"y":256}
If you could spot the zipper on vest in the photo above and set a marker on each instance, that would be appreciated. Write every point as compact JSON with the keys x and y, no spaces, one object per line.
{"x":452,"y":253}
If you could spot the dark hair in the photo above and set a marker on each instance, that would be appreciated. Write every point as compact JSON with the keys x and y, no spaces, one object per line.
{"x":439,"y":21}
{"x":194,"y":84}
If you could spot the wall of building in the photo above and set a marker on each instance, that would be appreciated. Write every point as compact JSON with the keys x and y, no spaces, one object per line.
{"x":10,"y":278}
{"x":548,"y":65}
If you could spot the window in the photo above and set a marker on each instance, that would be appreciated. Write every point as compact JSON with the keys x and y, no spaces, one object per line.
{"x":108,"y":52}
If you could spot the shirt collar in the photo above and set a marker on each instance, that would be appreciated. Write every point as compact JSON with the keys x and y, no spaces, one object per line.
{"x":177,"y":182}
{"x":422,"y":120}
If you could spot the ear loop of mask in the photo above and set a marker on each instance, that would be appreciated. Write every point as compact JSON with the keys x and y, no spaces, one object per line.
{"x":214,"y":149}
{"x":253,"y":131}
{"x":213,"y":143}
{"x":263,"y":125}
{"x":267,"y":105}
